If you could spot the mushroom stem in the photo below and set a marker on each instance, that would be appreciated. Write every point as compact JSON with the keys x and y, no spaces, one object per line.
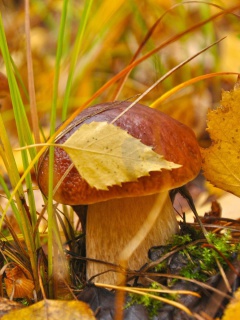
{"x":127,"y":229}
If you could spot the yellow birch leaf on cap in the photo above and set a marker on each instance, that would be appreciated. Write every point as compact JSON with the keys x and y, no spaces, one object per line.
{"x":106,"y":155}
{"x":221,"y":160}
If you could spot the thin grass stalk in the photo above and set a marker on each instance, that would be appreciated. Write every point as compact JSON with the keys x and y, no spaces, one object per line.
{"x":17,"y":238}
{"x":24,"y":132}
{"x":77,"y":47}
{"x":210,"y":33}
{"x":147,"y":292}
{"x":20,"y":215}
{"x":11,"y":167}
{"x":33,"y":112}
{"x":8,"y":195}
{"x":207,"y":30}
{"x":22,"y":128}
{"x":21,"y":122}
{"x":183,"y":85}
{"x":161,"y":79}
{"x":31,"y":87}
{"x":19,"y":79}
{"x":60,"y":265}
{"x":137,"y":62}
{"x":51,"y":149}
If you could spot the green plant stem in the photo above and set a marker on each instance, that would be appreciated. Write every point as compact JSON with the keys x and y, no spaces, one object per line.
{"x":8,"y":159}
{"x":75,"y":55}
{"x":10,"y":164}
{"x":23,"y":129}
{"x":51,"y":149}
{"x":20,"y":213}
{"x":24,"y":136}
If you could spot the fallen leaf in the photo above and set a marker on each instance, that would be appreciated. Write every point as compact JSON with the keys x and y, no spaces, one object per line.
{"x":7,"y":305}
{"x":221,"y":160}
{"x":233,"y":308}
{"x":17,"y":284}
{"x":106,"y":155}
{"x":53,"y":310}
{"x":20,"y":288}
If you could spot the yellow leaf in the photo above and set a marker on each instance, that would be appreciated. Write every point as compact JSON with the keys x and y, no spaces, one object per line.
{"x":53,"y":310}
{"x":233,"y":308}
{"x":106,"y":155}
{"x":221,"y":160}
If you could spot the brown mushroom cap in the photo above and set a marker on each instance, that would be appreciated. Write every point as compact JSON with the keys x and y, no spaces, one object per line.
{"x":168,"y":137}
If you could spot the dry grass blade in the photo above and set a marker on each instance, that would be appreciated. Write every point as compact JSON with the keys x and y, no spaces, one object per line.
{"x":149,"y":34}
{"x":182,"y":85}
{"x":146,"y":38}
{"x":224,"y":277}
{"x":153,"y":264}
{"x":32,"y":96}
{"x":133,"y":65}
{"x":15,"y":238}
{"x":142,"y":291}
{"x":170,"y":72}
{"x":170,"y":276}
{"x":205,"y":317}
{"x":215,"y":302}
{"x":129,"y":289}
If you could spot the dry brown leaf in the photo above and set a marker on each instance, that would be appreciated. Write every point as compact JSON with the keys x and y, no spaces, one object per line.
{"x":17,"y":284}
{"x":221,"y":160}
{"x":106,"y":155}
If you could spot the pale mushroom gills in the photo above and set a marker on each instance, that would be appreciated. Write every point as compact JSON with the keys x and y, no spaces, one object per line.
{"x":115,"y":215}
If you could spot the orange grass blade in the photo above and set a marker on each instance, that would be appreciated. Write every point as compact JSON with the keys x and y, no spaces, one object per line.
{"x":149,"y":34}
{"x":169,"y":93}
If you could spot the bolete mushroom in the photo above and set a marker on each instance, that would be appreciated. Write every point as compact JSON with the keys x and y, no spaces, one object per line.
{"x":115,"y":215}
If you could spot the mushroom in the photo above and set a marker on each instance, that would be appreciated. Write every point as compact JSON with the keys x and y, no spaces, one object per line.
{"x":115,"y":215}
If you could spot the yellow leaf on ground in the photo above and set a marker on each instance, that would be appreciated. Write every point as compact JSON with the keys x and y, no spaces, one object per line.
{"x":7,"y":306}
{"x":222,"y":159}
{"x":106,"y":155}
{"x":233,"y":308}
{"x":53,"y":310}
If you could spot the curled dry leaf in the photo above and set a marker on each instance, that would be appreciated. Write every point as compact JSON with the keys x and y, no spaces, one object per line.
{"x":221,"y":160}
{"x":17,"y":284}
{"x":106,"y":155}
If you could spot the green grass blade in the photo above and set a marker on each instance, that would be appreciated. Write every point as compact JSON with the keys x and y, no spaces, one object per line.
{"x":25,"y":137}
{"x":51,"y":149}
{"x":75,"y":55}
